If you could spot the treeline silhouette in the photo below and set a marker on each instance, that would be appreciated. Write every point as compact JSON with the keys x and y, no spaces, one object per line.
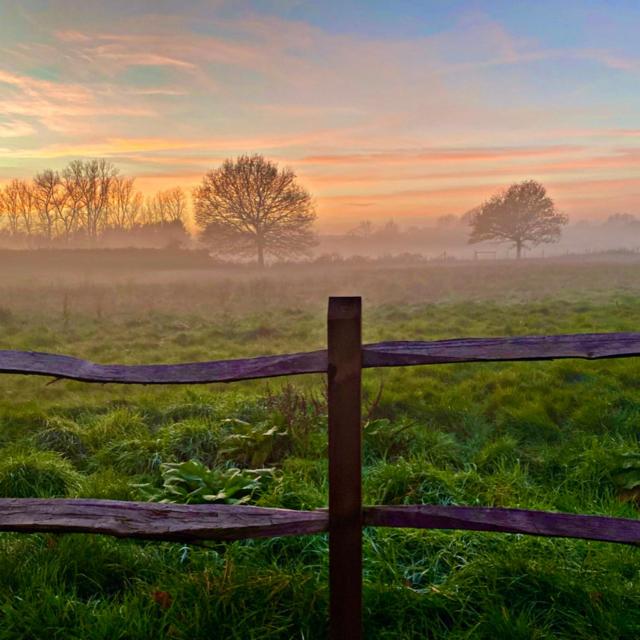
{"x":89,"y":203}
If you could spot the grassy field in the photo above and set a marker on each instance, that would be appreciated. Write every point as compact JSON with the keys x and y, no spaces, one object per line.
{"x":557,"y":435}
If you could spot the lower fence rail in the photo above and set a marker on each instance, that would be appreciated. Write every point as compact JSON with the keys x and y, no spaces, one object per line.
{"x":195,"y":523}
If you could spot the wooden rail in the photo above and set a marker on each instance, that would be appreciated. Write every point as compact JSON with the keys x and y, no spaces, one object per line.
{"x":589,"y":346}
{"x":342,"y":362}
{"x":154,"y":521}
{"x":499,"y":520}
{"x":194,"y":523}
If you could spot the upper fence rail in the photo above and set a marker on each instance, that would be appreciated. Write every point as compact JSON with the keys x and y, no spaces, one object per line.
{"x":590,"y":346}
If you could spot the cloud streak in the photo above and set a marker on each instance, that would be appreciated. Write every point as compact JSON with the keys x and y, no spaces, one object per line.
{"x":390,"y":124}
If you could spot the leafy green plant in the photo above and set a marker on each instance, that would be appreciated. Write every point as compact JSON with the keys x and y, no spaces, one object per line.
{"x":254,"y":445}
{"x":192,"y":483}
{"x":626,"y":476}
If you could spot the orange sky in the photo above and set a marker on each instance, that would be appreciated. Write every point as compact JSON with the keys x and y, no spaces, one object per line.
{"x":406,"y":114}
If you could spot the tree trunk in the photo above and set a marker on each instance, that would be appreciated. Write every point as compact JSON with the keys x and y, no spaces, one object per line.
{"x":518,"y":249}
{"x":260,"y":254}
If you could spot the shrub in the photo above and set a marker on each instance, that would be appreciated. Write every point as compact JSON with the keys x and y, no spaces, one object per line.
{"x":6,"y":315}
{"x":493,"y":454}
{"x":529,"y":423}
{"x":194,"y":405}
{"x":385,"y":440}
{"x":107,"y":485}
{"x":191,"y":440}
{"x":63,"y":437}
{"x":37,"y":475}
{"x":416,"y":482}
{"x":303,"y":485}
{"x":116,"y":425}
{"x":129,"y":456}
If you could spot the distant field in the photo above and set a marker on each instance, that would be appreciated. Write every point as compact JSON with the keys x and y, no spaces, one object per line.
{"x":559,"y":436}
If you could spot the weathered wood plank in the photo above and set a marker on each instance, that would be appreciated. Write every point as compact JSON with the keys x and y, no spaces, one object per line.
{"x":59,"y":366}
{"x":382,"y":354}
{"x":538,"y":523}
{"x":344,"y":381}
{"x":586,"y":345}
{"x":154,"y":521}
{"x":184,"y":523}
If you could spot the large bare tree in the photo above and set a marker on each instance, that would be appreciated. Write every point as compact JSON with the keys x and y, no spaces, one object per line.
{"x":249,"y":206}
{"x":523,"y":214}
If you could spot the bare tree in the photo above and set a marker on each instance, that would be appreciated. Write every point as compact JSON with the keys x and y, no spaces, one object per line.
{"x":251,"y":207}
{"x":49,"y":196}
{"x":523,"y":214}
{"x":88,"y":198}
{"x":363,"y":229}
{"x":92,"y":179}
{"x":70,"y":216}
{"x":26,"y":207}
{"x":175,"y":204}
{"x":167,"y":207}
{"x":125,"y":204}
{"x":10,"y":206}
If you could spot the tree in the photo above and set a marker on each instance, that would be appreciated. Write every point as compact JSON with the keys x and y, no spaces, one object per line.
{"x":166,"y":207}
{"x":92,"y":181}
{"x":523,"y":214}
{"x":125,"y":204}
{"x":251,"y":207}
{"x":622,"y":220}
{"x":11,"y":206}
{"x":363,"y":229}
{"x":49,"y":196}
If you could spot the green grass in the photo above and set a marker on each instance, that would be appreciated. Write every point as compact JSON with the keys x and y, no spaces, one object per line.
{"x":556,"y":435}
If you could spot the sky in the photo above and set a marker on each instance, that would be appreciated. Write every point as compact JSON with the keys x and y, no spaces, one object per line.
{"x":401,"y":110}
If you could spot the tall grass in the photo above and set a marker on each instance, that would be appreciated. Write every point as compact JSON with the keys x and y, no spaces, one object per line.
{"x":560,"y":435}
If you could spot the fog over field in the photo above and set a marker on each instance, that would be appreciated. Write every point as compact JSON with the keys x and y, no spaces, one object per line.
{"x":186,"y":191}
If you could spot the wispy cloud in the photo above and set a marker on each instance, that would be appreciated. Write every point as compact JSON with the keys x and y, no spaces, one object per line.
{"x":15,"y":129}
{"x":58,"y":106}
{"x":390,"y":124}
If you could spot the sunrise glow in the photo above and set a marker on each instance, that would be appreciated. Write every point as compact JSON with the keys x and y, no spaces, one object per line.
{"x":383,"y":111}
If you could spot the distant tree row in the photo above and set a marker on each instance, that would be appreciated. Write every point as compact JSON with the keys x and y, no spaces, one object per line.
{"x":87,"y":199}
{"x":248,"y":207}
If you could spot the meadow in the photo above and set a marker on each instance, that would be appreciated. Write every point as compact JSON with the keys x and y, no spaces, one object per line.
{"x":553,"y":435}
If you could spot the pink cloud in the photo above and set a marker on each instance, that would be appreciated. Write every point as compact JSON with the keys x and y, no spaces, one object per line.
{"x":404,"y":121}
{"x":59,"y":106}
{"x":15,"y":129}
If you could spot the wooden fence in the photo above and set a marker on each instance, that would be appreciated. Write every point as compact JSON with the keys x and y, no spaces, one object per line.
{"x":343,"y":362}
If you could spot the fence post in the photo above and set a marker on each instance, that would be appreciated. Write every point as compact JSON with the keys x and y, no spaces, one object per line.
{"x":344,"y":346}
